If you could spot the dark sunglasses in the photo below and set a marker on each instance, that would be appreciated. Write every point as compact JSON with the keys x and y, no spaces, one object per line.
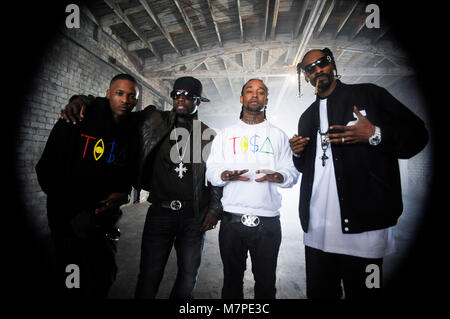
{"x":186,"y":95}
{"x":321,"y":63}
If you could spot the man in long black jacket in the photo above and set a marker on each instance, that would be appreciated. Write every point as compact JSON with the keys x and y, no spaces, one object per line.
{"x":183,"y":206}
{"x":348,"y":145}
{"x":85,"y":171}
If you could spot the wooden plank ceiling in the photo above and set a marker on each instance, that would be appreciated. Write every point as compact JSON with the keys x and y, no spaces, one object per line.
{"x":226,"y":42}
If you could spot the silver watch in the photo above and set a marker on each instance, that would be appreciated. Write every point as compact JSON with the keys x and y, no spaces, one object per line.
{"x":375,"y":139}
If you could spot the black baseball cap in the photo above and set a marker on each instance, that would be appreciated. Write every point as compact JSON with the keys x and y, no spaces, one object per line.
{"x":191,"y":85}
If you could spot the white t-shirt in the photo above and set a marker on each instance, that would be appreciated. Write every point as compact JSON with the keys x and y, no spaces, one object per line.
{"x":324,"y":229}
{"x":253,"y":147}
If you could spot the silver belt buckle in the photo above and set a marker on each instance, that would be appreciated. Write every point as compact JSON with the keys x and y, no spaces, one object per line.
{"x":175,"y":205}
{"x":250,"y":220}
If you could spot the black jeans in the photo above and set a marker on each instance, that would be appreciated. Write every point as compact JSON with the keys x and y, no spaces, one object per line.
{"x":90,"y":242}
{"x":325,"y":271}
{"x":95,"y":258}
{"x":263,"y":243}
{"x":163,"y":229}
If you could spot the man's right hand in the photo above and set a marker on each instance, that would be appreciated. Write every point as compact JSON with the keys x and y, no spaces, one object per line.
{"x":234,"y":175}
{"x":74,"y":111}
{"x":298,"y":143}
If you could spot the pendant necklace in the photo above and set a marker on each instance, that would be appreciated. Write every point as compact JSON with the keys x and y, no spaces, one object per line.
{"x":324,"y":143}
{"x":181,"y":169}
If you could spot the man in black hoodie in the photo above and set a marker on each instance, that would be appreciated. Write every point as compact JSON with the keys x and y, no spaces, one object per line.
{"x":85,"y":171}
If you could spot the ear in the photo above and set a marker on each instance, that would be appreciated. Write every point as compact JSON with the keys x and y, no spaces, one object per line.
{"x":241,"y":99}
{"x":108,"y":94}
{"x":267,"y":102}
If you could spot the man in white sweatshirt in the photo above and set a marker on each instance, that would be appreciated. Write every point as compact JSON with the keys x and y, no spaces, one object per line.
{"x":250,"y":160}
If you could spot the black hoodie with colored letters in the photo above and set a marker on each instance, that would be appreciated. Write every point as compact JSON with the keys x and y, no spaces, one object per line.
{"x":83,"y":164}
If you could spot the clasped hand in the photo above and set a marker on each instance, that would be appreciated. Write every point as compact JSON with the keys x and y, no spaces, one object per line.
{"x":271,"y":176}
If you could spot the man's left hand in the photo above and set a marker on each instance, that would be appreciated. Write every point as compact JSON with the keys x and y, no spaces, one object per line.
{"x":209,"y":222}
{"x":358,"y":133}
{"x":270,"y":176}
{"x":113,"y":200}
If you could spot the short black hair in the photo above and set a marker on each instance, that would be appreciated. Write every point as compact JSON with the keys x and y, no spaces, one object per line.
{"x":265,"y":86}
{"x":122,"y":76}
{"x":242,"y":94}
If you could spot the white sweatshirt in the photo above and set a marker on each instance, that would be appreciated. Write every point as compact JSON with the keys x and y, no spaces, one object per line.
{"x":252,"y":147}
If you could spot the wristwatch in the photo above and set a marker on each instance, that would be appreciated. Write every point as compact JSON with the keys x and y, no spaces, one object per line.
{"x":375,"y":139}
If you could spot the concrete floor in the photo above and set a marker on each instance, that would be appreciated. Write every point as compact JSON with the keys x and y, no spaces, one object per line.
{"x":291,"y":262}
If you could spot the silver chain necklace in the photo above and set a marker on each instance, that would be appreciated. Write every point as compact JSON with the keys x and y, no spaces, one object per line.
{"x":324,"y":144}
{"x":181,"y":169}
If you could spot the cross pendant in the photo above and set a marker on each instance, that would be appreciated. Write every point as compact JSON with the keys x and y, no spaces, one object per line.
{"x":180,"y":170}
{"x":324,"y":158}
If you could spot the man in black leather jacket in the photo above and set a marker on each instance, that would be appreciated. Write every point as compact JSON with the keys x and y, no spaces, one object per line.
{"x":183,"y":206}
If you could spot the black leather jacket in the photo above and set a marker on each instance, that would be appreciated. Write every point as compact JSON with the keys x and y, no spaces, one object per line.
{"x":153,"y":126}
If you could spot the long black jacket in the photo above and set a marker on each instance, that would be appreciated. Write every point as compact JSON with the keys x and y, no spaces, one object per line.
{"x":367,"y":177}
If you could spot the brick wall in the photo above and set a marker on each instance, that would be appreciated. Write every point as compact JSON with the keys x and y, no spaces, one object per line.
{"x":74,"y":63}
{"x":419,"y":169}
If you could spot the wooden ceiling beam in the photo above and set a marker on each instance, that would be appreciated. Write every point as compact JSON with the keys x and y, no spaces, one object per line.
{"x":216,"y":26}
{"x":109,"y":20}
{"x":346,"y":17}
{"x":309,"y":29}
{"x":358,"y":29}
{"x":300,"y":19}
{"x":188,"y":23}
{"x":118,"y":11}
{"x":282,"y":72}
{"x":156,"y":20}
{"x":240,"y":20}
{"x":326,"y":17}
{"x":275,"y":19}
{"x":231,"y":48}
{"x":266,"y":21}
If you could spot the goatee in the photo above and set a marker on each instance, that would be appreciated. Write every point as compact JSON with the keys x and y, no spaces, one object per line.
{"x":324,"y":84}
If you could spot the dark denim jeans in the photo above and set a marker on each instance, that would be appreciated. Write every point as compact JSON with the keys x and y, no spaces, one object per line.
{"x":95,"y":257}
{"x":163,"y":229}
{"x":263,"y":243}
{"x":325,"y":272}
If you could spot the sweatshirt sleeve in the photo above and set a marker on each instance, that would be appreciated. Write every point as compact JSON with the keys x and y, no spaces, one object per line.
{"x":285,"y":165}
{"x":215,"y":164}
{"x":299,"y":159}
{"x":49,"y":166}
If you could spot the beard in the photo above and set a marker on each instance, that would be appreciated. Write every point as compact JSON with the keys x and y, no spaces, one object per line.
{"x":254,"y":109}
{"x":325,"y":80}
